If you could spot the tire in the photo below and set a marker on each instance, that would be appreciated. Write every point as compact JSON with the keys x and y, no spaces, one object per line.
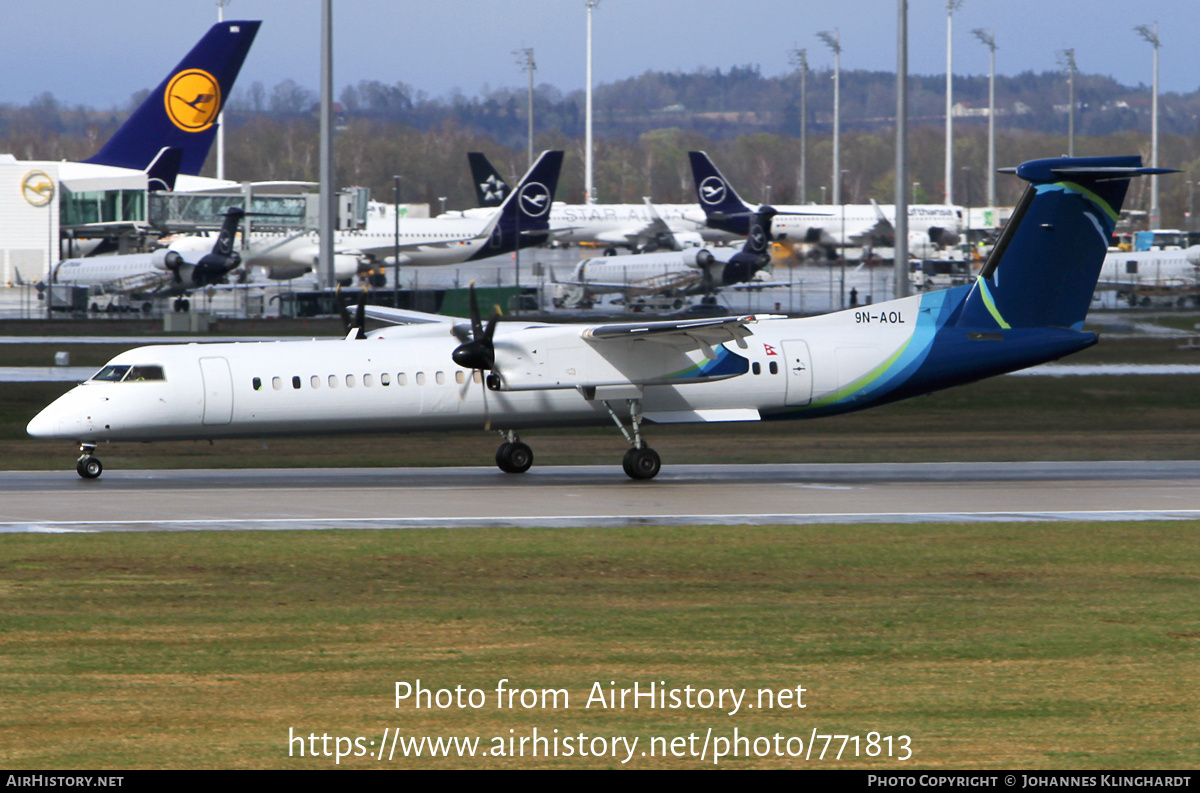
{"x":642,"y":463}
{"x":502,"y":456}
{"x":89,"y":467}
{"x":520,"y":458}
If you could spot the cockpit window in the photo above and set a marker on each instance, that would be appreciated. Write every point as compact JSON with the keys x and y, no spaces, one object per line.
{"x":111,"y":373}
{"x":145,"y":373}
{"x":129,"y":374}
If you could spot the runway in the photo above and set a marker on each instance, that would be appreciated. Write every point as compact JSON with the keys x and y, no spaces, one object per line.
{"x":578,"y":496}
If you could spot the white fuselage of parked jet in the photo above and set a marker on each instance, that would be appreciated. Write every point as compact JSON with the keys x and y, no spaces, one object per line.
{"x":854,"y":224}
{"x":1161,"y":269}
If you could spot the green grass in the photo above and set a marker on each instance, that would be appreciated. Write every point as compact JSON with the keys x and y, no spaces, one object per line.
{"x":991,"y":645}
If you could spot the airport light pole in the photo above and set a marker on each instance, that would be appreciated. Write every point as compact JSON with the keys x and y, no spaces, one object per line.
{"x":799,"y":59}
{"x":1067,"y":59}
{"x":842,"y":296}
{"x":988,"y":37}
{"x":396,"y":252}
{"x":221,"y":116}
{"x":525,"y":61}
{"x":325,"y":256}
{"x":1151,"y":36}
{"x":900,"y":286}
{"x":951,"y":7}
{"x":589,"y":189}
{"x":834,"y":42}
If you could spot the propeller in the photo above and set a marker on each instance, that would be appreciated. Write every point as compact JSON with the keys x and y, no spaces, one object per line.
{"x":477,"y":352}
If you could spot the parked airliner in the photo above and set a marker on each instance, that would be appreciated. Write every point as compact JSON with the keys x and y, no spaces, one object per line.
{"x":931,"y":226}
{"x":1026,"y":307}
{"x":521,"y":221}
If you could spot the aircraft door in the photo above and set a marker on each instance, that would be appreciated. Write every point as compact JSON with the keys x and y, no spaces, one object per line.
{"x":218,"y":391}
{"x":798,"y":363}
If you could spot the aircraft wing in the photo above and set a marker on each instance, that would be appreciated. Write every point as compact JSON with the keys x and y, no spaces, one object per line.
{"x":403,"y":316}
{"x":684,"y":334}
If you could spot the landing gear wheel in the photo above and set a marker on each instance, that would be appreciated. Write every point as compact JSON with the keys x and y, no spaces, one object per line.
{"x":641,"y":463}
{"x":514,"y":458}
{"x":89,"y":467}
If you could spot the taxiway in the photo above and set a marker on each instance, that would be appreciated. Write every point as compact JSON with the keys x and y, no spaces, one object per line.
{"x":573,"y":496}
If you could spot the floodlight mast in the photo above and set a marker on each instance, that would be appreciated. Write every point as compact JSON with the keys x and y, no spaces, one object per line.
{"x":1067,"y":59}
{"x":589,"y":189}
{"x":1151,"y":35}
{"x":834,"y":42}
{"x":900,"y":283}
{"x":525,"y":61}
{"x":951,"y":7}
{"x":221,"y":116}
{"x":988,"y":37}
{"x":799,"y":59}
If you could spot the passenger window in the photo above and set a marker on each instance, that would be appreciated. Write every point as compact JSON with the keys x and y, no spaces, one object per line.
{"x":477,"y":376}
{"x":385,"y":379}
{"x":333,"y":380}
{"x":756,"y":367}
{"x":402,"y":379}
{"x":441,"y":378}
{"x":295,"y":381}
{"x":349,"y":381}
{"x":774,"y":368}
{"x":420,"y":378}
{"x":315,"y":381}
{"x":368,"y":380}
{"x":277,"y":383}
{"x":460,"y":377}
{"x":258,"y":384}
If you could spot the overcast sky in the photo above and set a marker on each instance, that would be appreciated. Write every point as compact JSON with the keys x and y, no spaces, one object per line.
{"x":99,"y":52}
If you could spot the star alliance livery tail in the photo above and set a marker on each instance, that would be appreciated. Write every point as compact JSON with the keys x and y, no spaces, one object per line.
{"x":182,"y":112}
{"x":523,"y":220}
{"x":490,"y":187}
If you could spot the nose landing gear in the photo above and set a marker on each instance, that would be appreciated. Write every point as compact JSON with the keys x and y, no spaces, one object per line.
{"x":88,"y":466}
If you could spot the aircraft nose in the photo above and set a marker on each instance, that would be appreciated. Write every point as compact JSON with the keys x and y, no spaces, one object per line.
{"x":45,"y":424}
{"x":61,"y":419}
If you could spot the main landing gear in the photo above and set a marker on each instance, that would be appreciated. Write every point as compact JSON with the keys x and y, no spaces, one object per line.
{"x":640,"y":462}
{"x":89,"y":467}
{"x":513,"y":457}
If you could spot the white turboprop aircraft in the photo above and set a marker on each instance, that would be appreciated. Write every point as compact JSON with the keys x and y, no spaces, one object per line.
{"x":1027,"y":307}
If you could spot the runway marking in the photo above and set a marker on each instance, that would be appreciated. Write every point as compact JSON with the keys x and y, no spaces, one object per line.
{"x":584,"y":521}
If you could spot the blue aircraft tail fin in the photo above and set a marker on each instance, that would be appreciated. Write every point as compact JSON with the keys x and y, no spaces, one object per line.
{"x":524,"y":218}
{"x":490,"y":187}
{"x":723,"y":207}
{"x":1043,"y":269}
{"x":182,"y":112}
{"x":528,"y":206}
